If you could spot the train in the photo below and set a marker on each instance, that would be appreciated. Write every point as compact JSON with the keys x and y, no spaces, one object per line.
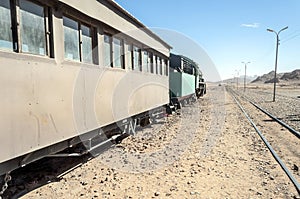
{"x":186,"y":81}
{"x":72,"y":73}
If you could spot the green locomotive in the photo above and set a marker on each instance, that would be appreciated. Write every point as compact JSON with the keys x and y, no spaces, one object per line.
{"x":186,"y":80}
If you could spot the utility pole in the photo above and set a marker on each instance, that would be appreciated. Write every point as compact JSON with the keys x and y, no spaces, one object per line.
{"x":245,"y":74}
{"x":237,"y":79}
{"x":277,"y":44}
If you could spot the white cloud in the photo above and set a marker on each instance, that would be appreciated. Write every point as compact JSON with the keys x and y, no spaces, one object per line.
{"x":253,"y":25}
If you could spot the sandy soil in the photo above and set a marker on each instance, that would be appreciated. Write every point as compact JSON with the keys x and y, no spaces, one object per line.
{"x":208,"y":151}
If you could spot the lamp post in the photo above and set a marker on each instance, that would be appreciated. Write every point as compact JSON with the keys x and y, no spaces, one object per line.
{"x":237,"y":79}
{"x":233,"y":80}
{"x":277,"y":44}
{"x":245,"y":74}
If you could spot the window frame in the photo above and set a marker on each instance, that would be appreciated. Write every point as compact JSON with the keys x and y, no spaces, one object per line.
{"x":104,"y":50}
{"x":16,"y":24}
{"x":145,"y":61}
{"x":46,"y":28}
{"x":10,"y":31}
{"x":121,"y":57}
{"x":158,"y":65}
{"x":79,"y":31}
{"x":167,"y":67}
{"x":93,"y":42}
{"x":151,"y":62}
{"x":137,"y":67}
{"x":128,"y":55}
{"x":76,"y":30}
{"x":163,"y":68}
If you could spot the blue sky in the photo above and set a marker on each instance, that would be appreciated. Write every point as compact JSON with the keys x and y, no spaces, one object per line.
{"x":229,"y":31}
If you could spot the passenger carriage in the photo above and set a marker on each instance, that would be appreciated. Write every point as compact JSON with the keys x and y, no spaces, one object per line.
{"x":70,"y":68}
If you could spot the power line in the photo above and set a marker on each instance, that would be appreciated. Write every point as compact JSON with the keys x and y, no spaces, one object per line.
{"x":290,"y":36}
{"x":288,"y":39}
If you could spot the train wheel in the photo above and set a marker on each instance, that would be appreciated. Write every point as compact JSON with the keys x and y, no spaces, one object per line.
{"x":169,"y":109}
{"x":178,"y":105}
{"x":145,"y":121}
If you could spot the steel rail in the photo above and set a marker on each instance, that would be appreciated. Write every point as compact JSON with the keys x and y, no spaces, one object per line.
{"x":292,"y":130}
{"x":277,"y":158}
{"x":295,"y":132}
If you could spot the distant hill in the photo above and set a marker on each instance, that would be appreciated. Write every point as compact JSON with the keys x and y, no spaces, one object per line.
{"x":294,"y":75}
{"x":240,"y":79}
{"x":269,"y":78}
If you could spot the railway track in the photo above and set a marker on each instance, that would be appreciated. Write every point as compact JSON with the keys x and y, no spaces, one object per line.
{"x":286,"y":108}
{"x":285,"y":125}
{"x":281,"y":139}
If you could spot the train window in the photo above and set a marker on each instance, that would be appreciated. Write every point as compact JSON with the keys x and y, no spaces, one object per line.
{"x":158,"y":65}
{"x":163,"y":67}
{"x":136,"y":58}
{"x":154,"y":64}
{"x":71,"y":39}
{"x":78,"y":41}
{"x":32,"y":28}
{"x":145,"y":64}
{"x":117,"y":53}
{"x":26,"y":27}
{"x":151,"y":62}
{"x":167,"y":67}
{"x":107,"y":51}
{"x":86,"y":44}
{"x":128,"y":55}
{"x":6,"y":39}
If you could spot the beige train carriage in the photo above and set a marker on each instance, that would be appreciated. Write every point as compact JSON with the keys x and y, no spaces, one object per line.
{"x":69,"y":68}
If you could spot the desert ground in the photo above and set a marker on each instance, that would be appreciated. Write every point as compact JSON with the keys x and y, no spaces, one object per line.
{"x":208,"y":150}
